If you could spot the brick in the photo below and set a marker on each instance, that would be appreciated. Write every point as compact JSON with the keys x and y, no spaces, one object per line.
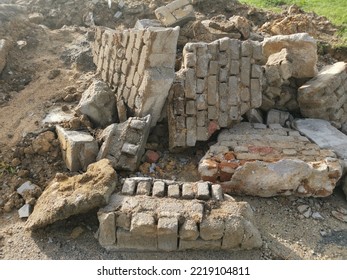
{"x":129,"y":187}
{"x":173,"y":191}
{"x":217,"y":192}
{"x":190,"y":108}
{"x":211,"y":228}
{"x":200,"y":244}
{"x":188,"y":191}
{"x":189,"y":230}
{"x":144,"y":188}
{"x":212,"y":113}
{"x":203,"y":191}
{"x":201,"y":118}
{"x":158,"y":189}
{"x":212,"y":93}
{"x":167,"y":234}
{"x":245,"y":71}
{"x":202,"y":62}
{"x":129,"y":240}
{"x":107,"y":229}
{"x":190,"y":84}
{"x":143,"y":224}
{"x":200,"y":85}
{"x":191,"y":131}
{"x":201,"y":102}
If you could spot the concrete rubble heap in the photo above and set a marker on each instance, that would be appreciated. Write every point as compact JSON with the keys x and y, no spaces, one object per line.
{"x":217,"y":84}
{"x":254,"y":159}
{"x":124,"y":143}
{"x":325,"y":96}
{"x":289,"y":59}
{"x":139,"y":65}
{"x":160,"y":215}
{"x":176,"y":13}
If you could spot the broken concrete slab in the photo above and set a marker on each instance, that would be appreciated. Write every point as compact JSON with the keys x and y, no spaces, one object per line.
{"x":98,"y":103}
{"x":138,"y":64}
{"x":176,"y":13}
{"x":302,"y":49}
{"x":169,"y":224}
{"x":79,"y":148}
{"x":324,"y":96}
{"x":67,"y":196}
{"x":257,"y":160}
{"x":324,"y":135}
{"x":213,"y":89}
{"x":124,"y":143}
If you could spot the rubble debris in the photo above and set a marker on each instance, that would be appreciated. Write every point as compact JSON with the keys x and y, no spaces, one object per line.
{"x":323,"y":134}
{"x":124,"y":143}
{"x":24,"y":211}
{"x":302,"y":49}
{"x":324,"y":96}
{"x":276,"y":116}
{"x":57,"y":115}
{"x":139,"y":65}
{"x":79,"y":148}
{"x":154,"y":221}
{"x":254,"y":159}
{"x":98,"y":103}
{"x":217,"y":84}
{"x":66,"y":196}
{"x":145,"y":23}
{"x":29,"y":192}
{"x":176,"y":13}
{"x":242,"y":25}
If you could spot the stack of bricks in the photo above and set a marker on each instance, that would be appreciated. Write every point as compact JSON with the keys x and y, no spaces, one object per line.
{"x":124,"y":143}
{"x":139,"y":65}
{"x":218,"y":83}
{"x":176,"y":13}
{"x":325,"y":96}
{"x":160,"y":215}
{"x":248,"y":154}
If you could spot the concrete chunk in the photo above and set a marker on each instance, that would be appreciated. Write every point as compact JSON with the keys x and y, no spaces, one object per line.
{"x":107,"y":229}
{"x":98,"y":103}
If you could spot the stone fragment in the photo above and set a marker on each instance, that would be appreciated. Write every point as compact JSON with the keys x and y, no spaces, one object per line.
{"x":143,"y":224}
{"x":107,"y":229}
{"x":173,"y":191}
{"x":261,"y":161}
{"x":302,"y":48}
{"x":129,"y":187}
{"x":145,"y":23}
{"x":217,"y":192}
{"x":26,"y":187}
{"x":69,"y":196}
{"x":124,"y":143}
{"x":324,"y":135}
{"x":175,"y":13}
{"x":242,"y":25}
{"x":144,"y":188}
{"x":24,"y":211}
{"x":254,"y":116}
{"x":79,"y":148}
{"x":98,"y":103}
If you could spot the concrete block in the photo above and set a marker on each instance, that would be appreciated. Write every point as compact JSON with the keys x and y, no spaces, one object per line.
{"x":79,"y":149}
{"x":212,"y":228}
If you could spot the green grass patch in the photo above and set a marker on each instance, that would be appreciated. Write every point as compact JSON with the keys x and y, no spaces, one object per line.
{"x":334,"y":10}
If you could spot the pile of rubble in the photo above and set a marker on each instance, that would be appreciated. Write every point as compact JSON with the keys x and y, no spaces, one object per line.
{"x":229,"y":83}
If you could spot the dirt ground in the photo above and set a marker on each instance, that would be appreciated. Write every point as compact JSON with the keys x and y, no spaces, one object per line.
{"x":50,"y":60}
